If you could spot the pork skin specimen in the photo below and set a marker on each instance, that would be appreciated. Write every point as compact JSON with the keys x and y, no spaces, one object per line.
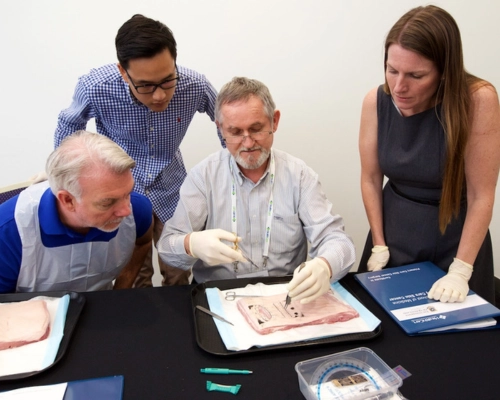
{"x":267,"y":314}
{"x":23,"y":322}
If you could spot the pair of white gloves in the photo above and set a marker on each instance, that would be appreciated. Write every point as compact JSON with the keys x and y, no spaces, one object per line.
{"x":451,"y":288}
{"x":307,"y":284}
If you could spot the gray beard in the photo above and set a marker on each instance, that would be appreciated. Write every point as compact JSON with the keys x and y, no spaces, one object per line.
{"x":108,"y":230}
{"x":254,"y":163}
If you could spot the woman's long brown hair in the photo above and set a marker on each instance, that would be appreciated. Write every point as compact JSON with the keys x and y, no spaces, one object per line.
{"x":433,"y":33}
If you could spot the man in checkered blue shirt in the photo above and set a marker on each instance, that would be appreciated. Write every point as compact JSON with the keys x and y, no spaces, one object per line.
{"x":144,"y":103}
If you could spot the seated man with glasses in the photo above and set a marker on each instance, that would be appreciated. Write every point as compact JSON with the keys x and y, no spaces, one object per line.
{"x":145,"y":103}
{"x":250,"y":210}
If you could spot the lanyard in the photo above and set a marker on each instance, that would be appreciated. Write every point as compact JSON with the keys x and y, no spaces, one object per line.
{"x":270,"y":209}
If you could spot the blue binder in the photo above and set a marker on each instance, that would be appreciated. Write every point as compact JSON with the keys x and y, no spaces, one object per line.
{"x":107,"y":388}
{"x":402,"y":293}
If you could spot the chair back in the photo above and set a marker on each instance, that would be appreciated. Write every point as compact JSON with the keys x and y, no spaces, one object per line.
{"x":10,"y":191}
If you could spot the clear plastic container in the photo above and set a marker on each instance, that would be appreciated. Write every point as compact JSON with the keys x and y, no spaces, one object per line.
{"x":354,"y":374}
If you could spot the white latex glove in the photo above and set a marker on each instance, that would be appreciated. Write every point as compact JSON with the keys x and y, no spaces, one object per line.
{"x":310,"y":282}
{"x":40,"y":177}
{"x":207,"y":246}
{"x":454,"y":286}
{"x":379,"y":258}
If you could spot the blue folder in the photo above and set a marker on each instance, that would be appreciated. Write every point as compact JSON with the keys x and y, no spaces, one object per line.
{"x":406,"y":288}
{"x":107,"y":388}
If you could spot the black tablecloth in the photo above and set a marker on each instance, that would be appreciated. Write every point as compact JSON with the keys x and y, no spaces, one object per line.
{"x":147,"y":335}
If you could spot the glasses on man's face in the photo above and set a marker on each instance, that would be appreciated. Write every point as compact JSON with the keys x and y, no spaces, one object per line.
{"x":151,"y":87}
{"x":240,"y":138}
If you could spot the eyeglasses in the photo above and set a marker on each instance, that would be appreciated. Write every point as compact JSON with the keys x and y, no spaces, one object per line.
{"x":151,"y":87}
{"x":233,"y":139}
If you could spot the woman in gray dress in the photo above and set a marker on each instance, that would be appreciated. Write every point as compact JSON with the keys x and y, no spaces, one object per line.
{"x":433,"y":130}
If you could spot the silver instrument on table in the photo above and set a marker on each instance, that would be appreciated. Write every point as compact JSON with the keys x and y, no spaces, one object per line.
{"x":231,"y":296}
{"x":213,"y":314}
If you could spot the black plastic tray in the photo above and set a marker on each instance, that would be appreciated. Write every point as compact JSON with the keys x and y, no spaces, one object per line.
{"x":207,"y":335}
{"x":76,"y":303}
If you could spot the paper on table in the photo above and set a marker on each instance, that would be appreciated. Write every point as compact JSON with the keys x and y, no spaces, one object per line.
{"x":50,"y":392}
{"x":39,"y":355}
{"x":241,"y":336}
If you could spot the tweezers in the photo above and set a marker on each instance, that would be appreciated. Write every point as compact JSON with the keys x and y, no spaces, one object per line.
{"x":288,"y":299}
{"x":213,"y":314}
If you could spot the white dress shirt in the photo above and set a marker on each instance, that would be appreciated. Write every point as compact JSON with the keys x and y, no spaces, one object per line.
{"x":301,"y":214}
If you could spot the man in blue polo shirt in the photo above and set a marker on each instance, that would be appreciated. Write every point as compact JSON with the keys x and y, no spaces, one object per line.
{"x":145,"y":103}
{"x":81,"y":229}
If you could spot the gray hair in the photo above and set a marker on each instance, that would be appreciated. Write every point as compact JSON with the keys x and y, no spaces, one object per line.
{"x":84,"y":153}
{"x":241,"y":88}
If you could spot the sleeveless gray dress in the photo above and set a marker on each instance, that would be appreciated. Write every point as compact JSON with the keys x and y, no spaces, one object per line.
{"x":412,"y":153}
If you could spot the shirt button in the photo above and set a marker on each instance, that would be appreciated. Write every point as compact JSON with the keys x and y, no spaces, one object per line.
{"x":152,"y":128}
{"x":147,"y":191}
{"x":149,"y":175}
